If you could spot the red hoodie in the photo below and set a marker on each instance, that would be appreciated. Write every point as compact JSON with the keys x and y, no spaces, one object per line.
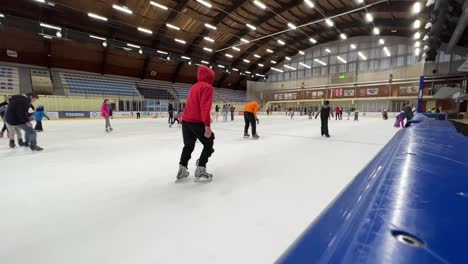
{"x":200,"y":98}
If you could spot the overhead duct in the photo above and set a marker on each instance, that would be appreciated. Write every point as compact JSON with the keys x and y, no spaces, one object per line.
{"x":439,"y":25}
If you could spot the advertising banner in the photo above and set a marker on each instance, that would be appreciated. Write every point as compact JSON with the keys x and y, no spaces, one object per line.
{"x":348,"y":93}
{"x":53,"y":115}
{"x":73,"y":114}
{"x":373,"y":91}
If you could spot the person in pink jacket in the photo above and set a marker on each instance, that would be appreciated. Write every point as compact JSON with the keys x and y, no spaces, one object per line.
{"x":105,"y":112}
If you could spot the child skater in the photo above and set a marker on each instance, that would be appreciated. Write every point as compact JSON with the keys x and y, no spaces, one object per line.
{"x":39,"y":115}
{"x":400,"y":120}
{"x":325,"y":112}
{"x":356,"y":115}
{"x":106,"y":109}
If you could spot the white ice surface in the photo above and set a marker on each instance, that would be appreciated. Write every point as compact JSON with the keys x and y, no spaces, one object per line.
{"x":93,"y":197}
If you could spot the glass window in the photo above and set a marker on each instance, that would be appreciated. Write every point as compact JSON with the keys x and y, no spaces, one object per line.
{"x":286,"y":76}
{"x":342,"y":68}
{"x":333,"y":69}
{"x":400,"y":61}
{"x":280,"y":77}
{"x":316,"y":72}
{"x":401,"y":49}
{"x":411,"y":59}
{"x":324,"y":71}
{"x":300,"y":74}
{"x":352,"y":67}
{"x":317,"y":52}
{"x":363,"y":66}
{"x":343,"y":48}
{"x":294,"y":75}
{"x":308,"y":73}
{"x":352,"y":56}
{"x":333,"y":60}
{"x":385,"y":64}
{"x":444,"y":57}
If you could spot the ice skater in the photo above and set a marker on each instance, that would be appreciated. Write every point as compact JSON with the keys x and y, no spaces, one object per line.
{"x":232,"y":109}
{"x":251,"y":118}
{"x":224,"y":111}
{"x":196,"y":125}
{"x":178,"y":118}
{"x":400,"y":120}
{"x":39,"y":115}
{"x":356,"y":115}
{"x":3,"y":107}
{"x":171,"y":113}
{"x":291,"y":113}
{"x":385,"y":114}
{"x":217,"y":112}
{"x":106,"y":109}
{"x":17,"y":116}
{"x":138,"y":114}
{"x":325,"y":112}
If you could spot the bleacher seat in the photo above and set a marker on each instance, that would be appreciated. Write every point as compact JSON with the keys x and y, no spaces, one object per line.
{"x":9,"y":80}
{"x":229,"y":95}
{"x":98,"y":85}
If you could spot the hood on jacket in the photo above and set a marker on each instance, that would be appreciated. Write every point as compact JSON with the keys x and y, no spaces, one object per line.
{"x":205,"y":74}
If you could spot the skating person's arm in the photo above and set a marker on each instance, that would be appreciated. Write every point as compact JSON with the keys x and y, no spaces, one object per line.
{"x":206,"y":101}
{"x":318,"y":112}
{"x":46,"y":116}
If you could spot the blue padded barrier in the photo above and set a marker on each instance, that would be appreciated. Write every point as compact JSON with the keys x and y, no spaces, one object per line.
{"x":408,"y":205}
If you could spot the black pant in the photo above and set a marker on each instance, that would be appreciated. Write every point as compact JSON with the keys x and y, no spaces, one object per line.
{"x":38,"y":126}
{"x":191,"y":132}
{"x":356,"y":118}
{"x":249,"y":119}
{"x":171,"y":117}
{"x":175,"y":119}
{"x":324,"y":120}
{"x":138,"y":116}
{"x":232,"y":115}
{"x":4,"y":128}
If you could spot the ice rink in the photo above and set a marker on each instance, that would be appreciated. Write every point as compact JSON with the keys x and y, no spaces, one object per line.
{"x":92,"y":197}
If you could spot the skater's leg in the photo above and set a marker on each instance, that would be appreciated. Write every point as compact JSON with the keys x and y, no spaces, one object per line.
{"x":254,"y":125}
{"x":29,"y":133}
{"x":189,"y":144}
{"x":322,"y":127}
{"x":247,"y":123}
{"x":198,"y":132}
{"x":325,"y":128}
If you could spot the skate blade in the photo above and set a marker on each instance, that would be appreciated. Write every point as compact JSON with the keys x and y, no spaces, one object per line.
{"x":203,"y":180}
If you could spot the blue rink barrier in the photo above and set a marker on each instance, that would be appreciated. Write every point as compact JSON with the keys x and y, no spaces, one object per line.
{"x":408,"y":205}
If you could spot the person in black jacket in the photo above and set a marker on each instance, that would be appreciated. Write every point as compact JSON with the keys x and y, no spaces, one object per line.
{"x":170,"y":109}
{"x":325,"y":112}
{"x":3,"y":107}
{"x":17,"y":116}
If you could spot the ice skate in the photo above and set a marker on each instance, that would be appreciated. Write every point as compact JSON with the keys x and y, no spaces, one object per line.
{"x":246,"y":135}
{"x":107,"y":130}
{"x":26,"y":144}
{"x":12,"y":144}
{"x":20,"y":142}
{"x":111,"y":129}
{"x":327,"y":135}
{"x":256,"y":136}
{"x":183,"y":173}
{"x":202,"y":176}
{"x":36,"y":148}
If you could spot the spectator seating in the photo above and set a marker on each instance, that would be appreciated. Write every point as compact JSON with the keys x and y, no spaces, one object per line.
{"x":9,"y":80}
{"x":98,"y":85}
{"x":156,"y":90}
{"x":229,"y":95}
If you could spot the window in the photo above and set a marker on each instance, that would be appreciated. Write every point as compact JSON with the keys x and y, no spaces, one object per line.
{"x":308,"y":73}
{"x":294,"y":75}
{"x":287,"y":76}
{"x":317,"y":53}
{"x":342,"y":68}
{"x":352,"y":56}
{"x":352,"y":67}
{"x":300,"y":74}
{"x":333,"y":69}
{"x":364,"y":66}
{"x":400,"y":61}
{"x":385,"y":64}
{"x":343,"y":48}
{"x":324,"y":71}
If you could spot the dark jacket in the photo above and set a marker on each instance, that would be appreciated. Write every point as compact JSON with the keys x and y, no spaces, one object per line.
{"x":408,"y":112}
{"x":324,"y":112}
{"x":171,"y":107}
{"x":17,"y":112}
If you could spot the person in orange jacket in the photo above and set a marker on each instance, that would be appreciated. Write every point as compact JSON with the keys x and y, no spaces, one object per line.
{"x":250,"y":117}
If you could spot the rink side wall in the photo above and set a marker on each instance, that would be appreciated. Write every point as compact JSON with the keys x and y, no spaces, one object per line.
{"x":408,"y":205}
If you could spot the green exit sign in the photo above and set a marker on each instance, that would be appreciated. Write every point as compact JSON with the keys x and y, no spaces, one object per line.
{"x":341,"y":76}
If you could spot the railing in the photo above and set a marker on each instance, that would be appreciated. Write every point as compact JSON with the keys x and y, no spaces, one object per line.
{"x":409,"y":205}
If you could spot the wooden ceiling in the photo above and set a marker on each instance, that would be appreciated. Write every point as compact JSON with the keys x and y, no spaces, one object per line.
{"x":393,"y":17}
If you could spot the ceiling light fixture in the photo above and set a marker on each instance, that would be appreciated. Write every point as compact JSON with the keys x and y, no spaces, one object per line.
{"x":257,"y":56}
{"x":269,"y":50}
{"x":180,"y":41}
{"x":343,"y":36}
{"x":417,"y":44}
{"x":278,"y":70}
{"x":144,"y":30}
{"x":246,"y":61}
{"x":353,"y":46}
{"x":205,"y":3}
{"x":205,"y":62}
{"x":158,"y":5}
{"x":228,"y":55}
{"x":301,"y":52}
{"x":328,"y":50}
{"x":341,"y":59}
{"x":417,"y":35}
{"x":251,"y":27}
{"x":210,"y":26}
{"x":244,"y":40}
{"x":272,"y":61}
{"x":172,"y":26}
{"x":207,"y":49}
{"x":162,"y":52}
{"x":329,"y":22}
{"x":96,"y":37}
{"x":50,"y":26}
{"x":104,"y":44}
{"x":292,"y":26}
{"x":221,"y":66}
{"x":208,"y":39}
{"x":313,"y":40}
{"x":140,"y":51}
{"x":376,"y":31}
{"x":417,"y":24}
{"x":416,"y":8}
{"x":381,"y":41}
{"x":123,"y":9}
{"x":92,"y":15}
{"x":186,"y":58}
{"x":417,"y":51}
{"x":260,"y":4}
{"x":387,"y":51}
{"x":58,"y":34}
{"x":309,"y":3}
{"x":234,"y":69}
{"x":261,"y":65}
{"x":287,"y":58}
{"x":281,"y":42}
{"x":362,"y":55}
{"x":236,"y":48}
{"x":289,"y":67}
{"x":305,"y":65}
{"x":369,"y":17}
{"x":321,"y":62}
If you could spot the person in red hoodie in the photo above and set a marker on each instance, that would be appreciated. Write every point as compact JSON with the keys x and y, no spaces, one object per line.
{"x":106,"y":113}
{"x":196,"y":125}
